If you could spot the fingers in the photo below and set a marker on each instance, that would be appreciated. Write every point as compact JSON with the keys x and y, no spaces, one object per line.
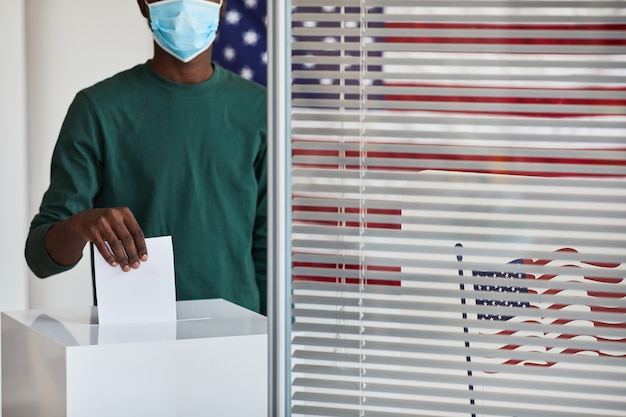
{"x":118,"y":237}
{"x":104,"y":250}
{"x":136,"y":238}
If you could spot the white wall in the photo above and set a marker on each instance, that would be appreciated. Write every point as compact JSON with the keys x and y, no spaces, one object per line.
{"x":13,"y":203}
{"x":71,"y":44}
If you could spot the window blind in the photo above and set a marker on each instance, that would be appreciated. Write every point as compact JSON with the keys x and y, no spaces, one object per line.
{"x":458,"y":200}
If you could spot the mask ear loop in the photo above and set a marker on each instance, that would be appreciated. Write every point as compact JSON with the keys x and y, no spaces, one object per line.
{"x":149,"y":14}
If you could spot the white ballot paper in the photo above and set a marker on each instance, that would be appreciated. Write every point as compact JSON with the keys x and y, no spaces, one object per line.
{"x":143,"y":295}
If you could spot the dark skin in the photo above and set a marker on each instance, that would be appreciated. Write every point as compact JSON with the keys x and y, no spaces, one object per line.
{"x":66,"y":240}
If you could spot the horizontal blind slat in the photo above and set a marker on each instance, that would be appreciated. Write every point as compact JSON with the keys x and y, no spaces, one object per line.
{"x":443,"y":91}
{"x":496,"y":250}
{"x":591,"y":49}
{"x":486,"y":33}
{"x":604,"y":295}
{"x":470,"y":4}
{"x":469,"y":196}
{"x":374,"y":402}
{"x":460,"y":106}
{"x":461,"y":352}
{"x":521,"y":399}
{"x":304,"y":114}
{"x":325,"y":315}
{"x":428,"y":366}
{"x":441,"y":61}
{"x":607,"y":316}
{"x":368,"y":332}
{"x":316,"y":364}
{"x":340,"y":218}
{"x":451,"y":17}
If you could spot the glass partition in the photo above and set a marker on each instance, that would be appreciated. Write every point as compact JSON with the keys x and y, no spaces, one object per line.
{"x":457,"y":208}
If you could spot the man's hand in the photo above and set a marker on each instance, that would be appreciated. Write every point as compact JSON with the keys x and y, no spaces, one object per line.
{"x":114,"y":231}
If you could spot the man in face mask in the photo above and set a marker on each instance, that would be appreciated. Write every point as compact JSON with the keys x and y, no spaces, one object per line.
{"x":174,"y":146}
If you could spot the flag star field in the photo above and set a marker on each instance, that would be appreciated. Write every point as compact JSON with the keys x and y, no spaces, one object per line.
{"x":241,"y":41}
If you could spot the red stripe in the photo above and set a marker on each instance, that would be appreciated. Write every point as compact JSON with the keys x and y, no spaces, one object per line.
{"x":509,"y":26}
{"x":508,"y":40}
{"x":486,"y":87}
{"x":350,"y":210}
{"x":460,"y":98}
{"x":505,"y":41}
{"x":555,"y":101}
{"x":542,"y":115}
{"x":341,"y":280}
{"x":487,"y":158}
{"x":499,"y":162}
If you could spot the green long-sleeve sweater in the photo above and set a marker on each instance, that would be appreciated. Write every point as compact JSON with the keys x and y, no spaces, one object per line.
{"x":188,"y":160}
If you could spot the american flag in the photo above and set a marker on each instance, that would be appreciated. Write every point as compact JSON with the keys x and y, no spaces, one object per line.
{"x":501,"y":289}
{"x":457,"y":62}
{"x":241,"y":47}
{"x":514,"y":79}
{"x":241,"y":43}
{"x":522,"y":283}
{"x":306,"y":60}
{"x":554,"y":344}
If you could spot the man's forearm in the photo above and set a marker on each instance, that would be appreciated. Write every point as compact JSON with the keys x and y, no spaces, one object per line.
{"x":64,"y":245}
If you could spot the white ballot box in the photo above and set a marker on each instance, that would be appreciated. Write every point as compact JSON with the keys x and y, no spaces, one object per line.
{"x":212,"y":361}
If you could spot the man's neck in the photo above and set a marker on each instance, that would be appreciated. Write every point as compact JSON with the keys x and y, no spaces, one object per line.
{"x":195,"y":71}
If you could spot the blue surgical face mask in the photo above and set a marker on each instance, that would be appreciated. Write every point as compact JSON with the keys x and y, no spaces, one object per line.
{"x":184,"y":28}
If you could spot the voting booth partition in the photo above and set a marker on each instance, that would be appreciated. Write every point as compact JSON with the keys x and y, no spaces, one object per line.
{"x":61,"y":362}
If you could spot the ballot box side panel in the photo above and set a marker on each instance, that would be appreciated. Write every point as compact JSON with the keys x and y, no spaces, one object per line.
{"x":33,"y":372}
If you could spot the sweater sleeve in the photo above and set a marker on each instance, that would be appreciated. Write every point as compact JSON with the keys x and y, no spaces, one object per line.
{"x":37,"y":257}
{"x":75,"y":177}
